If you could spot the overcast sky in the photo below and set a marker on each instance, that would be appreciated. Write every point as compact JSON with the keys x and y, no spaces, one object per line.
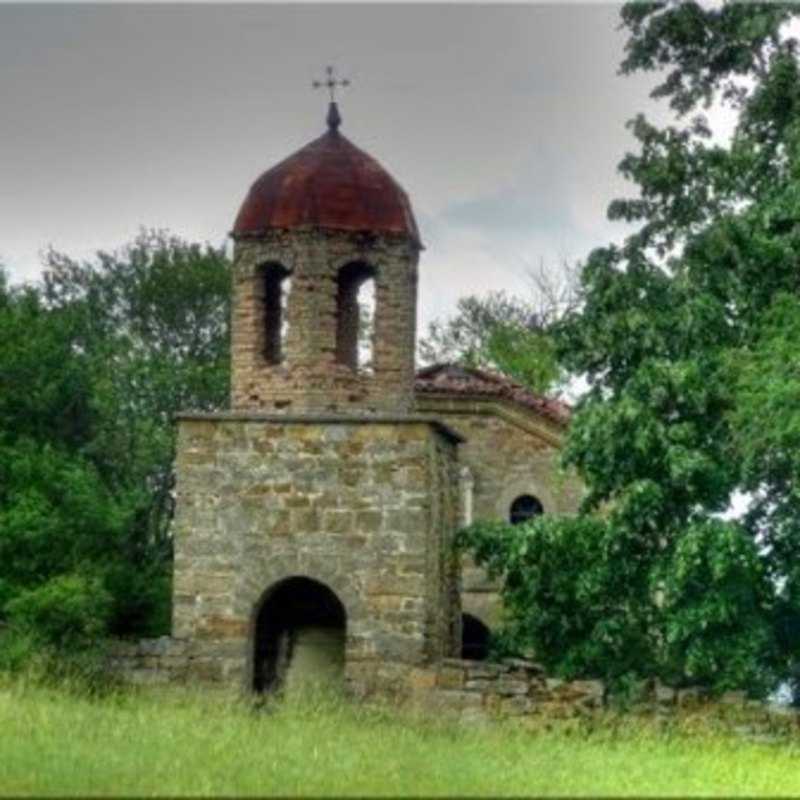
{"x":504,"y":124}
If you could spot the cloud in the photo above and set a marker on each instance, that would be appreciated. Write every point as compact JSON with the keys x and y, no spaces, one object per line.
{"x":503,"y":124}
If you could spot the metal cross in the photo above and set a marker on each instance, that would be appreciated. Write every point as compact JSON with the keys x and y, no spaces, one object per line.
{"x":330,"y":83}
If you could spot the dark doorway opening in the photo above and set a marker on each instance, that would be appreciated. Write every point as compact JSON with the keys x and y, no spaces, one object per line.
{"x":299,"y":636}
{"x":525,"y":507}
{"x":474,"y":638}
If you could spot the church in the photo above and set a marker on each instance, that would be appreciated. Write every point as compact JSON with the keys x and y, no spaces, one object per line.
{"x":315,"y":519}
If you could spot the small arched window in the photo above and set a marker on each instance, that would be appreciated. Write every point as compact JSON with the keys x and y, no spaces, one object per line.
{"x":525,"y":507}
{"x":355,"y":303}
{"x":274,"y":283}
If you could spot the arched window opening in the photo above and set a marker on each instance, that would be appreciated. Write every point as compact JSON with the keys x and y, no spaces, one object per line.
{"x":355,"y":307}
{"x":366,"y":325}
{"x":525,"y":507}
{"x":474,"y":639}
{"x":299,"y":637}
{"x":275,"y":284}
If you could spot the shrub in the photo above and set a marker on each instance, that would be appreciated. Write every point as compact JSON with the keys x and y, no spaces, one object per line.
{"x":69,"y":612}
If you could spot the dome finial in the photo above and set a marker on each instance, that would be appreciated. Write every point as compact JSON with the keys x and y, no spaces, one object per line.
{"x":333,"y":119}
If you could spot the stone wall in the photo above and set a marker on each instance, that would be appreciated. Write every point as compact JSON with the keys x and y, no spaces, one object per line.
{"x":474,"y":691}
{"x":153,"y":661}
{"x":468,"y":689}
{"x":513,"y":687}
{"x":364,"y":506}
{"x":443,"y":569}
{"x":510,"y":451}
{"x":310,"y":378}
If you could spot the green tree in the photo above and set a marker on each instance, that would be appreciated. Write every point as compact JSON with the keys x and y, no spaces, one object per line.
{"x":44,"y":380}
{"x":153,"y":321}
{"x":525,"y":355}
{"x":57,"y":518}
{"x":507,"y":334}
{"x":668,"y":336}
{"x":766,"y":430}
{"x":464,"y":337}
{"x":93,"y":365}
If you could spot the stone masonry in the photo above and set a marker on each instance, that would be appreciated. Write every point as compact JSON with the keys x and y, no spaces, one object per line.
{"x":509,"y":451}
{"x":311,"y":376}
{"x":314,"y":522}
{"x":367,"y":507}
{"x":475,"y":692}
{"x":468,"y":689}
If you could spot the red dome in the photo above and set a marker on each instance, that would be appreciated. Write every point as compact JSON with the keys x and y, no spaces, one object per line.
{"x":329,"y":183}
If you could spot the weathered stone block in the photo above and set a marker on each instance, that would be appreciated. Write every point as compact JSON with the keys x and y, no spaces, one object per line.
{"x":479,"y":684}
{"x":524,"y":665}
{"x":205,"y":669}
{"x":515,"y":706}
{"x":422,"y":679}
{"x":215,"y":627}
{"x":450,"y":678}
{"x":368,"y":521}
{"x":484,"y":670}
{"x":588,"y":688}
{"x":339,"y":521}
{"x":305,"y":521}
{"x":508,"y":686}
{"x":458,"y":699}
{"x":401,"y":585}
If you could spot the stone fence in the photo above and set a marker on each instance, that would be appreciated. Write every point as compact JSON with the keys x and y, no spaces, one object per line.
{"x":512,"y":687}
{"x":150,"y":661}
{"x":469,"y":690}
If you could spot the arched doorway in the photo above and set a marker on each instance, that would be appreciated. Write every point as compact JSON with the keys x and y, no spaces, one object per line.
{"x":474,"y":639}
{"x":524,"y":508}
{"x":299,"y":636}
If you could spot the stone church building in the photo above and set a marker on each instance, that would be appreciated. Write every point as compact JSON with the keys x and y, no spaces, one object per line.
{"x":315,"y":520}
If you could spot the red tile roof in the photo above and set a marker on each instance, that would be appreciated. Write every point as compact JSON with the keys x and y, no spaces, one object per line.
{"x":452,"y":379}
{"x":331,"y":184}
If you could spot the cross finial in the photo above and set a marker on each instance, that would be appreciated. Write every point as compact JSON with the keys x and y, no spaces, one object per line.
{"x":331,"y":83}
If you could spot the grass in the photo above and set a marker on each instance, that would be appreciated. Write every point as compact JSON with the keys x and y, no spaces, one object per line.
{"x":180,"y":742}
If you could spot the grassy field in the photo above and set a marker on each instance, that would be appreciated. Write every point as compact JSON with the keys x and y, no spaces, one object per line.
{"x":178,"y":742}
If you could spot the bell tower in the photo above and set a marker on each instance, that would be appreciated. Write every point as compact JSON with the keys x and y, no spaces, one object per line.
{"x":314,"y":520}
{"x":314,"y":235}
